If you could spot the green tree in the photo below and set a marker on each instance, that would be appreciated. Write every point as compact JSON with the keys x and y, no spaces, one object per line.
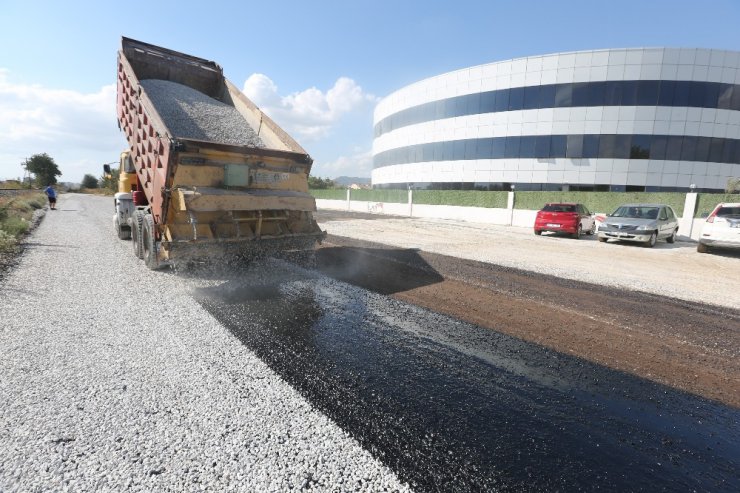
{"x":43,"y":168}
{"x":316,"y":183}
{"x":110,"y":181}
{"x":89,"y":181}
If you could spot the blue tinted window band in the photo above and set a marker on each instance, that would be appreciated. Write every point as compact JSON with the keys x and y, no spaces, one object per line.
{"x":606,"y":146}
{"x":681,"y":93}
{"x":534,"y":187}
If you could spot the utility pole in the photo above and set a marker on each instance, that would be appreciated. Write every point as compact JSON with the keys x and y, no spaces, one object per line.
{"x":26,"y":175}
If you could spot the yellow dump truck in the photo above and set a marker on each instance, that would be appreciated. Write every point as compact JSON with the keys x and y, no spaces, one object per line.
{"x":207,"y":172}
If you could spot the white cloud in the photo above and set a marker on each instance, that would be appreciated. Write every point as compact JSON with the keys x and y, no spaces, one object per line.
{"x":359,"y":164}
{"x":261,"y":90}
{"x":310,"y":114}
{"x":77,"y":129}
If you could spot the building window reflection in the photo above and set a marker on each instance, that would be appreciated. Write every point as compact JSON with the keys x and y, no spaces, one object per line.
{"x":605,"y":146}
{"x":691,"y":94}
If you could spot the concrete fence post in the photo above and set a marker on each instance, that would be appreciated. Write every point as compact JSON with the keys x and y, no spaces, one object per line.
{"x":411,"y":202}
{"x":510,"y":206}
{"x":689,"y":209}
{"x":348,"y":204}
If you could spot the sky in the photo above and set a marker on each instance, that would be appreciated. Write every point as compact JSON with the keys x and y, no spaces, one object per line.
{"x":318,"y":68}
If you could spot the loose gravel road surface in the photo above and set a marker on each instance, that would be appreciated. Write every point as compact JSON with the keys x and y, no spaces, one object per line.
{"x":113,"y":378}
{"x":379,"y":369}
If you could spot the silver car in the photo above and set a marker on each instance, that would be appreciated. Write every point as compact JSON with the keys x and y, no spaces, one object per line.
{"x":641,"y":223}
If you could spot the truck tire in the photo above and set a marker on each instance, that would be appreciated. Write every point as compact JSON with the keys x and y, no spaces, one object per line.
{"x":136,"y":224}
{"x":123,"y":232}
{"x":149,"y":242}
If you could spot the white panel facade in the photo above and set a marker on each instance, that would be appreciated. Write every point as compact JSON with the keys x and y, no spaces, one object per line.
{"x":442,"y":149}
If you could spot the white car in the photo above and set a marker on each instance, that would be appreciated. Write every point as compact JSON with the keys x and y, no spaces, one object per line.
{"x":722,"y":228}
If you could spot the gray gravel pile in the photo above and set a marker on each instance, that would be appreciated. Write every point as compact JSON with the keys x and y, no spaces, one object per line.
{"x":190,"y":114}
{"x":114,"y":378}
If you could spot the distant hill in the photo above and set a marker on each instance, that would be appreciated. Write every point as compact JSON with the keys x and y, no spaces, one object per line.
{"x":346,"y":181}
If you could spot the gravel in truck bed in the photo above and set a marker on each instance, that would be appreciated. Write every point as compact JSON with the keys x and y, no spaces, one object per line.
{"x":190,"y":114}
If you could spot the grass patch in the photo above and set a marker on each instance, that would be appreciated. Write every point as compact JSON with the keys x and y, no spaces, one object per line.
{"x":329,"y":193}
{"x":604,"y":202}
{"x":463,"y":198}
{"x":12,"y":185}
{"x":7,"y":242}
{"x":707,"y":202}
{"x":15,"y":226}
{"x":16,"y":213}
{"x":387,"y":196}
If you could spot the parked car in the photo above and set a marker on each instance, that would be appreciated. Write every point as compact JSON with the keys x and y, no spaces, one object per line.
{"x":642,"y":223}
{"x":722,"y":228}
{"x":573,"y":219}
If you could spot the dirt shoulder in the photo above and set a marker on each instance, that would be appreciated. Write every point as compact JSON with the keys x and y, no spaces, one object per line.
{"x":682,"y":344}
{"x":675,"y":270}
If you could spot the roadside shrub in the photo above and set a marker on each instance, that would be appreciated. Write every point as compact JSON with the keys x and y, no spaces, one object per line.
{"x":387,"y":196}
{"x":706,"y":202}
{"x":14,"y":226}
{"x":7,"y":242}
{"x":31,"y":203}
{"x":317,"y":183}
{"x":16,"y":212}
{"x":11,"y":184}
{"x":604,"y":202}
{"x":329,"y":194}
{"x":465,"y":198}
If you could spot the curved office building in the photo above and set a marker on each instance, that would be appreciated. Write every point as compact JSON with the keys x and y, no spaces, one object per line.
{"x":652,"y":119}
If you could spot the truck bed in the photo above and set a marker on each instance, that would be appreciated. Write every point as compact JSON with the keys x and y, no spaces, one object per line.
{"x":210,"y":163}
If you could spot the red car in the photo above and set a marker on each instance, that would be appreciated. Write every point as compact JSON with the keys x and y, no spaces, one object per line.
{"x":573,"y":219}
